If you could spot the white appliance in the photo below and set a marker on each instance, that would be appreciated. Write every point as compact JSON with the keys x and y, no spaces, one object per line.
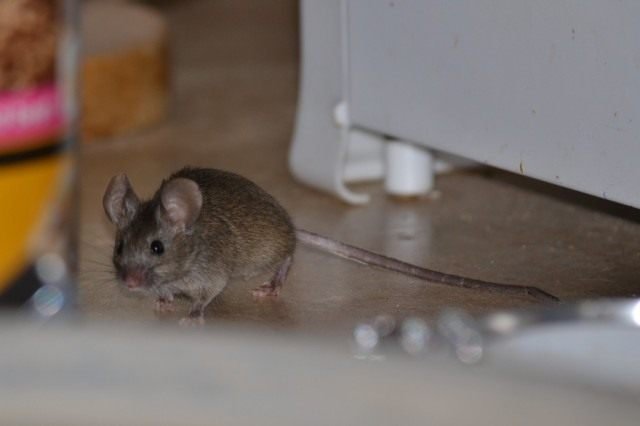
{"x":549,"y":89}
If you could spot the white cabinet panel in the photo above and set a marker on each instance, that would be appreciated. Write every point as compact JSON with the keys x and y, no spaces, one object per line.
{"x":550,"y":88}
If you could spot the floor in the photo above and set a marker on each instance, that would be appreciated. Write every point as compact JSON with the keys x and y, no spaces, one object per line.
{"x":235,"y":87}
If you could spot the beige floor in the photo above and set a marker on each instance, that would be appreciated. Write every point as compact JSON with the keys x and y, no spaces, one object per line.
{"x":235,"y":79}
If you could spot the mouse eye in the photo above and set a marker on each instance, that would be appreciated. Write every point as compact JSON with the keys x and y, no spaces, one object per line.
{"x":157,"y":247}
{"x":119,"y":247}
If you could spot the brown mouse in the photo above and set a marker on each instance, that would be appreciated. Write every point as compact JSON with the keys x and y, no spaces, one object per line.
{"x":204,"y":227}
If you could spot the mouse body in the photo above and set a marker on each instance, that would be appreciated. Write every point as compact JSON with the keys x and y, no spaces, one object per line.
{"x":202,"y":228}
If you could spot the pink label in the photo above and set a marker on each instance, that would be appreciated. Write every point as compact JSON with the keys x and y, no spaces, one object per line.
{"x":29,"y":116}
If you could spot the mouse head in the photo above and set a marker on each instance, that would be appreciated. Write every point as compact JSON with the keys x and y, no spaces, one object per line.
{"x":154,"y":242}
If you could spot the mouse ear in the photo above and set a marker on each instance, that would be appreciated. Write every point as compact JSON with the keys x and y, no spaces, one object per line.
{"x":120,"y":202}
{"x":181,"y":201}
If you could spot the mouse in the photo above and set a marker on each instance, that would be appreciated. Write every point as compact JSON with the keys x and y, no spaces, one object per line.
{"x":204,"y":227}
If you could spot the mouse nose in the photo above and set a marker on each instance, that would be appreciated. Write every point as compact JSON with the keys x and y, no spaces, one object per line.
{"x":134,"y":279}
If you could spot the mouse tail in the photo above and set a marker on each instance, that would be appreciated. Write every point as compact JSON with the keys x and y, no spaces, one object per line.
{"x":378,"y":260}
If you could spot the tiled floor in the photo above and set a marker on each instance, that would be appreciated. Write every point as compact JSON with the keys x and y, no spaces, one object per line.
{"x":235,"y":85}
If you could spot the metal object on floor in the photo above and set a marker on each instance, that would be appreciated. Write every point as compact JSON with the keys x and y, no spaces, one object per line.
{"x":594,"y":342}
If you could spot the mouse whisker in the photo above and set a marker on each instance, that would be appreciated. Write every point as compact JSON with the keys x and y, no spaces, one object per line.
{"x":95,"y":262}
{"x":85,"y":272}
{"x":99,"y":281}
{"x":85,"y":245}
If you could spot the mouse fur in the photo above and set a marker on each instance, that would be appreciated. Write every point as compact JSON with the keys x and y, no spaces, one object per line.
{"x":202,"y":228}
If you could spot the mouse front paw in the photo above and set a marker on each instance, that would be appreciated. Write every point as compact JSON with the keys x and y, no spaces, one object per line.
{"x":164,"y":306}
{"x":190,"y":321}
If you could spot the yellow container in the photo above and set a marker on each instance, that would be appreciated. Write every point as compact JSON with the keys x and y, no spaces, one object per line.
{"x":37,"y":122}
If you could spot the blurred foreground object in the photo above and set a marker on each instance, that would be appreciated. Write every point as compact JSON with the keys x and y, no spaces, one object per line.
{"x":124,"y":68}
{"x":132,"y":375}
{"x":37,"y":165}
{"x":592,"y":343}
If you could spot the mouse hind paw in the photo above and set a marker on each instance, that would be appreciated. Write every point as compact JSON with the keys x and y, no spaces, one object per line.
{"x":266,"y":290}
{"x":272,"y":288}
